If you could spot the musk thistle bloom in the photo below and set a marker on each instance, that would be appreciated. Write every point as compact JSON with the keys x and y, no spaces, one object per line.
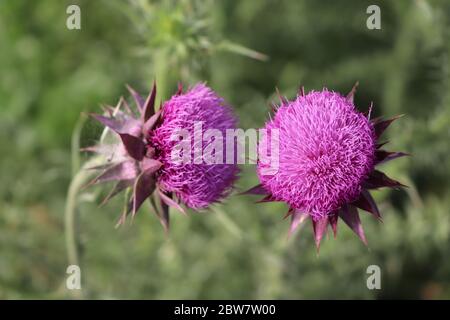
{"x":141,"y":160}
{"x":327,"y":157}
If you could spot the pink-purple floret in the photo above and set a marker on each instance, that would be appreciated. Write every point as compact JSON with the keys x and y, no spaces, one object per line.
{"x":197,"y":185}
{"x":326,"y":151}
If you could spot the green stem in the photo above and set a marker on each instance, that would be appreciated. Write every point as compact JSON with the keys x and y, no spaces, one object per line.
{"x":75,"y":144}
{"x":160,"y":75}
{"x":70,"y":221}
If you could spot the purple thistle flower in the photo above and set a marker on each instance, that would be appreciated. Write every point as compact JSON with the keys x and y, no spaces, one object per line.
{"x":327,"y":157}
{"x":197,"y":185}
{"x":142,"y":158}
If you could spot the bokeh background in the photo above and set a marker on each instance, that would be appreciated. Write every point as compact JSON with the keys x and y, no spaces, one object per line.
{"x":244,"y":49}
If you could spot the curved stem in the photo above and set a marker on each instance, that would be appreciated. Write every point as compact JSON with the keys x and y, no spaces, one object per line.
{"x":70,"y":213}
{"x":70,"y":221}
{"x":75,"y":144}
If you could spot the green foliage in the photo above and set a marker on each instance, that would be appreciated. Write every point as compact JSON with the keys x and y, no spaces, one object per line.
{"x":238,"y":249}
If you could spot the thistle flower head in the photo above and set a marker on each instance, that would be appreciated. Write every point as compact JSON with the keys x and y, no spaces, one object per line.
{"x":326,"y":149}
{"x":327,"y":154}
{"x":141,"y":159}
{"x":197,"y":185}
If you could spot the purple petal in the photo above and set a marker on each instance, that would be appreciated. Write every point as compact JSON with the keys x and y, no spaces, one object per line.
{"x":289,"y":213}
{"x":385,"y":156}
{"x":150,"y":165}
{"x":333,"y":220}
{"x":301,"y":91}
{"x":180,"y":88}
{"x":127,"y":106}
{"x":126,"y":124}
{"x":120,"y":186}
{"x":283,"y":100}
{"x":143,"y":187}
{"x":134,"y":146}
{"x":378,"y":179}
{"x":167,"y":200}
{"x":164,"y":217}
{"x":125,"y":214}
{"x":320,"y":228}
{"x":126,"y":211}
{"x":379,"y":145}
{"x":298,"y":217}
{"x":273,"y":108}
{"x":369,"y":112}
{"x":151,"y":122}
{"x":367,"y":203}
{"x":256,"y":190}
{"x":350,"y":216}
{"x":381,"y":125}
{"x":149,"y":106}
{"x":122,"y":171}
{"x":267,"y":198}
{"x":137,"y":98}
{"x":351,"y":94}
{"x":107,"y":122}
{"x":108,"y":109}
{"x":132,"y":127}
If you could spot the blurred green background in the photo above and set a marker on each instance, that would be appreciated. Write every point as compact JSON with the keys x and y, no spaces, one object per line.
{"x":237,"y":250}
